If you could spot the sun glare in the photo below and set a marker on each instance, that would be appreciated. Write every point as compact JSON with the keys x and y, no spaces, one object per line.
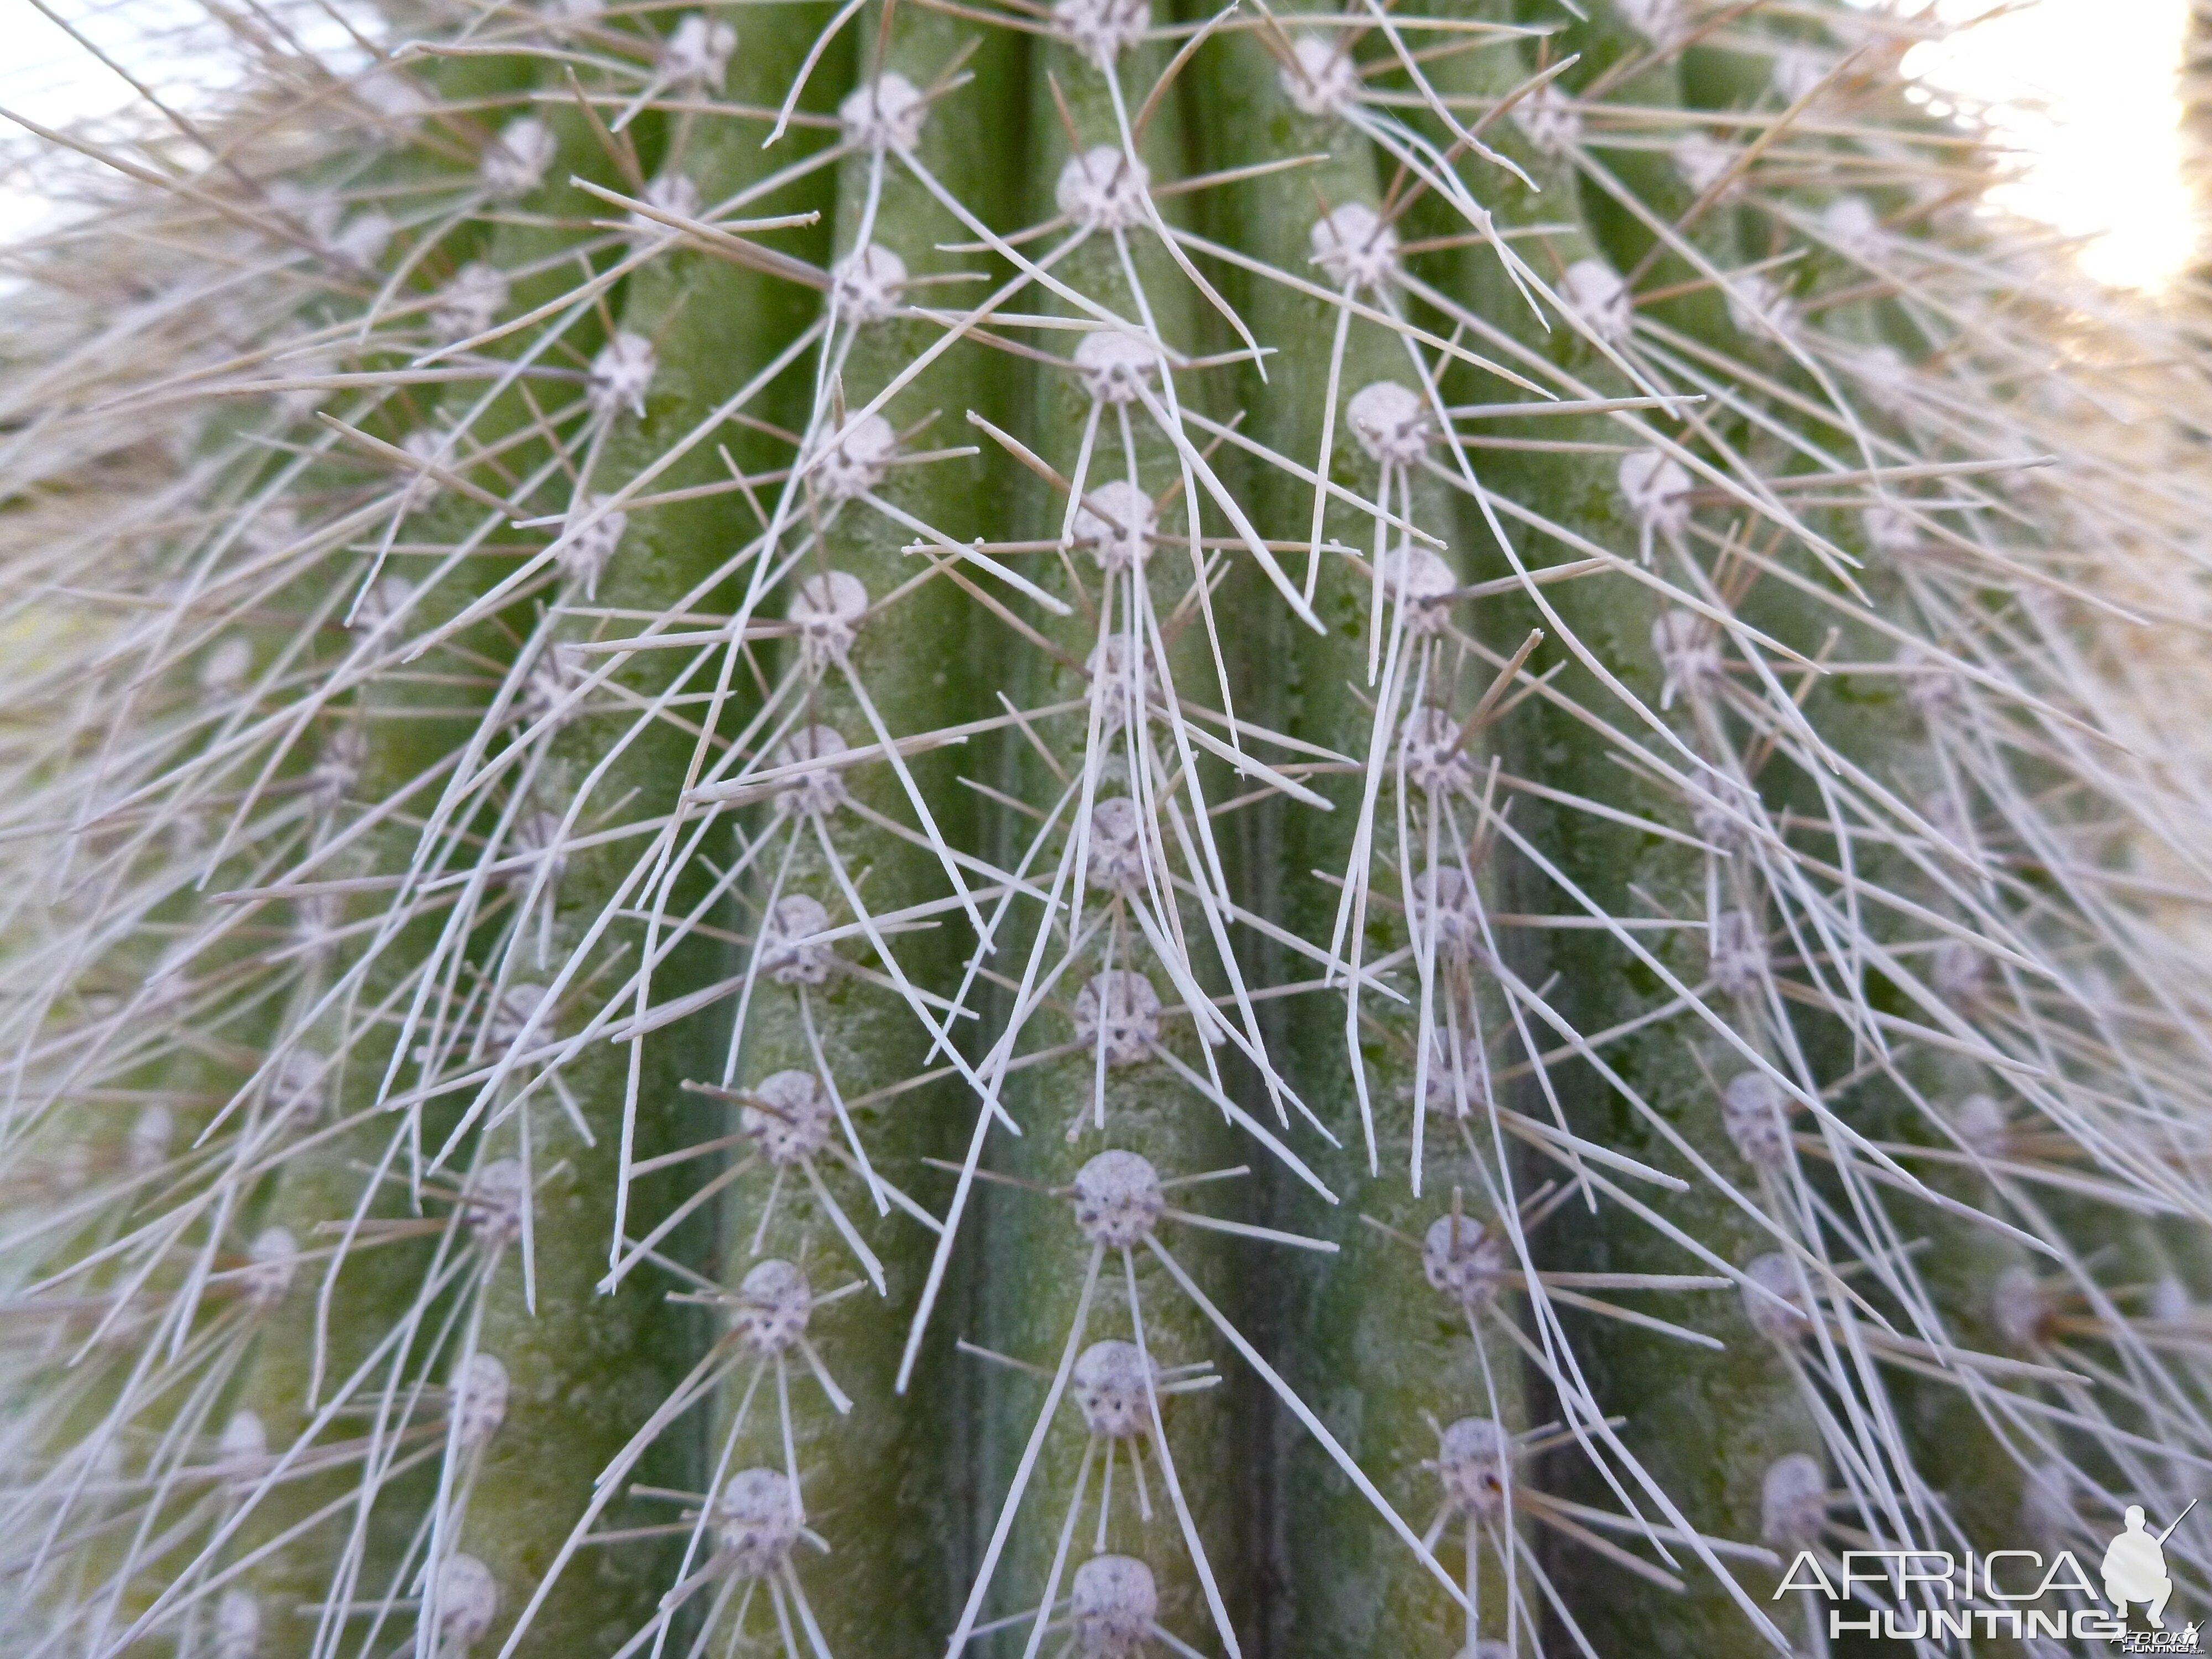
{"x":2084,"y":95}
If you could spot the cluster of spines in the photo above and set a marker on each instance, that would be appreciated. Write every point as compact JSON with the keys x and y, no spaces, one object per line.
{"x":425,"y":799}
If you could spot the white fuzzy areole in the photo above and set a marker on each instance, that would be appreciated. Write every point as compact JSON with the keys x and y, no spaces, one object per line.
{"x":1655,"y":487}
{"x":1658,"y":22}
{"x":673,"y":193}
{"x":516,"y":1018}
{"x":793,"y":1120}
{"x":821,"y":791}
{"x":1435,"y":759}
{"x":564,"y":17}
{"x":478,"y":1405}
{"x":552,"y":687}
{"x":468,"y":1600}
{"x":1796,"y":72}
{"x":2169,"y":1303}
{"x":1446,"y":902}
{"x":1736,"y":954}
{"x":1725,"y":824}
{"x":697,"y":52}
{"x":1456,"y":1092}
{"x":1321,"y":79}
{"x":228,"y":664}
{"x":756,"y":1521}
{"x":1113,"y":1605}
{"x":362,"y":238}
{"x":300,"y":1088}
{"x":1464,"y":1260}
{"x":851,"y":463}
{"x":1116,"y":368}
{"x":1549,"y":119}
{"x":621,"y":375}
{"x":534,"y":841}
{"x":1793,"y":1501}
{"x":514,"y":1015}
{"x":1117,"y":846}
{"x":1110,"y":1385}
{"x":1121,"y":673}
{"x":2020,"y":1309}
{"x":1756,"y":1116}
{"x":773,"y":1304}
{"x":1104,"y":189}
{"x":1934,"y":686}
{"x":1131,"y":1007}
{"x":272,"y":1259}
{"x":1474,"y":1464}
{"x":1355,"y":248}
{"x":387,"y":599}
{"x":1757,"y":306}
{"x":2047,"y":1503}
{"x":393,"y":94}
{"x":237,"y":1626}
{"x":828,"y":606}
{"x":1774,"y":1298}
{"x":592,"y":532}
{"x":1854,"y":228}
{"x":888,"y":113}
{"x":1980,"y":1123}
{"x":1595,"y":296}
{"x":515,"y":162}
{"x":1118,"y":1198}
{"x":148,"y":1147}
{"x":1702,"y":161}
{"x":1391,"y":422}
{"x":1102,"y":30}
{"x":868,"y":286}
{"x":245,"y":1437}
{"x":1959,"y":971}
{"x":337,"y":770}
{"x":1688,"y":647}
{"x":494,"y":1201}
{"x":1417,"y":579}
{"x":1891,"y":530}
{"x":1117,"y":522}
{"x":790,"y":951}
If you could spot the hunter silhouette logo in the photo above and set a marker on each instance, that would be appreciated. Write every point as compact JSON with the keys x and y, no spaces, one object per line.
{"x":2135,"y":1566}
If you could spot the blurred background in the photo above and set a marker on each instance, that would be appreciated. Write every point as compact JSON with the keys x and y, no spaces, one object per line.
{"x":2091,"y":98}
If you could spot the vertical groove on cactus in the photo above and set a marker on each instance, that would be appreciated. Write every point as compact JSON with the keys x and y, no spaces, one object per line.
{"x":921,"y":827}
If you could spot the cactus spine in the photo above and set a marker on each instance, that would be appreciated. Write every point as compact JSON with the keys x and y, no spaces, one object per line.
{"x":927,"y":828}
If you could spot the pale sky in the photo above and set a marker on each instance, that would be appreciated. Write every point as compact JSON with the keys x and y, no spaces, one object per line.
{"x":2088,"y":85}
{"x":2103,"y":151}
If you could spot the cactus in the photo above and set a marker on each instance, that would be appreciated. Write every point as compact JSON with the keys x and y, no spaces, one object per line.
{"x":986,"y":828}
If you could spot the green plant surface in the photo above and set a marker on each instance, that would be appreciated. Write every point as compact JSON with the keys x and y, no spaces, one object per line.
{"x":966,"y":828}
